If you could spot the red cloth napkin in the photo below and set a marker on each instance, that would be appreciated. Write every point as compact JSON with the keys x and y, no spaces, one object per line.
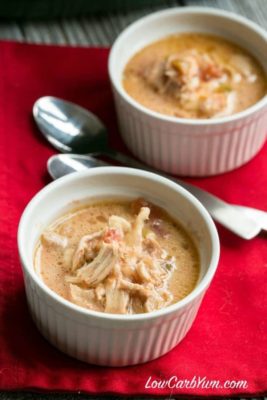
{"x":228,"y":339}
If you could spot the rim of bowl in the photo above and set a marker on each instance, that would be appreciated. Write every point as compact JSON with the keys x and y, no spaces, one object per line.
{"x":187,"y":10}
{"x":157,"y":179}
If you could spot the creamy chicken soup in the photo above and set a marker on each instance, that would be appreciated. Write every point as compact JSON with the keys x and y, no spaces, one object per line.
{"x":119,"y":256}
{"x":194,"y":76}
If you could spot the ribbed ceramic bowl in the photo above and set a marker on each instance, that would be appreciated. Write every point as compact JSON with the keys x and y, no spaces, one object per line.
{"x":109,"y":339}
{"x":188,"y":146}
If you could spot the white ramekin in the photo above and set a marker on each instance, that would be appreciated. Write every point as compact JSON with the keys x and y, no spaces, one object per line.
{"x":109,"y":339}
{"x":187,"y":146}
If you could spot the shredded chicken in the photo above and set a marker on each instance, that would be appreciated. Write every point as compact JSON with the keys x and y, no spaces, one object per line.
{"x":85,"y":297}
{"x":86,"y":249}
{"x":97,"y":270}
{"x":119,"y":223}
{"x":244,"y":66}
{"x":143,"y":272}
{"x":68,"y":258}
{"x":141,"y":290}
{"x":151,"y":245}
{"x":116,"y":298}
{"x":100,"y":292}
{"x":137,"y":233}
{"x":219,"y":104}
{"x":122,"y":265}
{"x":201,"y":83}
{"x":148,"y":272}
{"x":158,"y":299}
{"x":50,"y":238}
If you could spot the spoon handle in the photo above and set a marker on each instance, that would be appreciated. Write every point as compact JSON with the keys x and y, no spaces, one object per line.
{"x":128,"y":160}
{"x":224,"y":213}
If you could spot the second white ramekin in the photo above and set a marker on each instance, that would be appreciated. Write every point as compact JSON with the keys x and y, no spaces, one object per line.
{"x":109,"y":339}
{"x":186,"y":146}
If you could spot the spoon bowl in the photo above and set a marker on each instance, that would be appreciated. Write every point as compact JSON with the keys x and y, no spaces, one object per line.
{"x":69,"y":127}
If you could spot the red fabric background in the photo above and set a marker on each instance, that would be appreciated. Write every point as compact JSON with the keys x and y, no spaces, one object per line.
{"x":228,"y":339}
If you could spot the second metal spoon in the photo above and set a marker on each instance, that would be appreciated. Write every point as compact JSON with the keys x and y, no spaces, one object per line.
{"x":71,"y":128}
{"x":243,"y":221}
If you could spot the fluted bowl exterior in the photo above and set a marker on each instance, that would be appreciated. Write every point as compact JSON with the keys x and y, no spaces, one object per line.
{"x":110,"y":339}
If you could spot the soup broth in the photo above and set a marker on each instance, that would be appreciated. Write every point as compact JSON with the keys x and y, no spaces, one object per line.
{"x":118,"y":256}
{"x":194,"y":76}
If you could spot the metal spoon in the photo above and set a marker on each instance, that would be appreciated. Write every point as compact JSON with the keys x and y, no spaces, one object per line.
{"x":246,"y":222}
{"x":71,"y":128}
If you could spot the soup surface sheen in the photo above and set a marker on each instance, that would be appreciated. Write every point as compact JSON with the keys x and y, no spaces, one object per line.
{"x":194,"y":76}
{"x":119,"y":256}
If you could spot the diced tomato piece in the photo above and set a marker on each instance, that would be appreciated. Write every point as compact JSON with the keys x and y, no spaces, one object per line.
{"x":211,"y":71}
{"x":112,"y":235}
